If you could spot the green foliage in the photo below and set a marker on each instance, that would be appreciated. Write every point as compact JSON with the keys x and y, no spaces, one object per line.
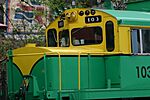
{"x":38,"y":39}
{"x":5,"y":44}
{"x":54,"y":4}
{"x":17,"y":41}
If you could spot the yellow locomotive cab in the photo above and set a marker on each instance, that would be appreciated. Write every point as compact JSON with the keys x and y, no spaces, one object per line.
{"x":85,"y":28}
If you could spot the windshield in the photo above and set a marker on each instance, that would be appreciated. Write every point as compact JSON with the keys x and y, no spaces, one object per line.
{"x":86,"y":36}
{"x":52,"y":38}
{"x":64,"y":38}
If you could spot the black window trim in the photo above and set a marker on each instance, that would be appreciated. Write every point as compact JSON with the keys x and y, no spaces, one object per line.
{"x":110,"y":44}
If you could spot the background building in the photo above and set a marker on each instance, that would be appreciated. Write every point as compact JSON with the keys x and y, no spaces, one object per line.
{"x":26,"y":16}
{"x":1,"y":11}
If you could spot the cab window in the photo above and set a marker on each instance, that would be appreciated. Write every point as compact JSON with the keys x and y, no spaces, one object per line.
{"x":110,"y":36}
{"x":52,"y":38}
{"x":140,"y":40}
{"x":64,"y":38}
{"x":86,"y":36}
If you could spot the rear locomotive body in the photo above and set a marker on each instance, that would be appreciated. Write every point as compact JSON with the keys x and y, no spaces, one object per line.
{"x":90,"y":54}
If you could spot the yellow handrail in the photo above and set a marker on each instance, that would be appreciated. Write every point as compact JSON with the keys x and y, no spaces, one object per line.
{"x":98,"y":53}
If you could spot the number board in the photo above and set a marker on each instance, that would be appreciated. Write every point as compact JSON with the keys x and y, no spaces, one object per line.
{"x":93,"y":19}
{"x":143,"y":71}
{"x":60,"y":24}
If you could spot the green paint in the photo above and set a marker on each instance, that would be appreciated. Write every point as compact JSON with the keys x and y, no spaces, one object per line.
{"x":35,"y":87}
{"x":45,"y":70}
{"x":14,"y":76}
{"x":14,"y":79}
{"x":112,"y":64}
{"x":96,"y":73}
{"x":101,"y":77}
{"x":130,"y":17}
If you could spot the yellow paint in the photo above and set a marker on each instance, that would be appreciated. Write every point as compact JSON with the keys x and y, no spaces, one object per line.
{"x":31,"y":45}
{"x":26,"y":57}
{"x":79,"y":22}
{"x":124,"y":39}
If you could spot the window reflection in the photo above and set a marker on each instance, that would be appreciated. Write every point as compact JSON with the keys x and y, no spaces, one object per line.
{"x":86,"y":36}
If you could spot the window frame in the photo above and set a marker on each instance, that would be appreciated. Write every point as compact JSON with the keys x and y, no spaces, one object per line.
{"x":139,"y":46}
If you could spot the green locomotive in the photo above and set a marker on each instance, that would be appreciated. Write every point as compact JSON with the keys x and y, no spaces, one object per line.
{"x":90,"y":54}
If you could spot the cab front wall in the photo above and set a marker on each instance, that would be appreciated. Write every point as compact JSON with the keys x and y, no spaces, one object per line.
{"x":81,"y":22}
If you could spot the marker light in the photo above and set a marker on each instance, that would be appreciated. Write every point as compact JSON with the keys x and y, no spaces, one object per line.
{"x":81,"y":13}
{"x":87,"y":12}
{"x":93,"y":12}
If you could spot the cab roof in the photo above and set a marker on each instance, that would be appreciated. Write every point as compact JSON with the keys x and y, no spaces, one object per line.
{"x":135,"y":18}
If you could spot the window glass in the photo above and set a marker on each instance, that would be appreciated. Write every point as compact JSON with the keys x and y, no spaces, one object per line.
{"x":135,"y":41}
{"x":86,"y":36}
{"x":64,"y":38}
{"x":146,"y":40}
{"x":110,"y":36}
{"x":140,"y":40}
{"x":52,"y":38}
